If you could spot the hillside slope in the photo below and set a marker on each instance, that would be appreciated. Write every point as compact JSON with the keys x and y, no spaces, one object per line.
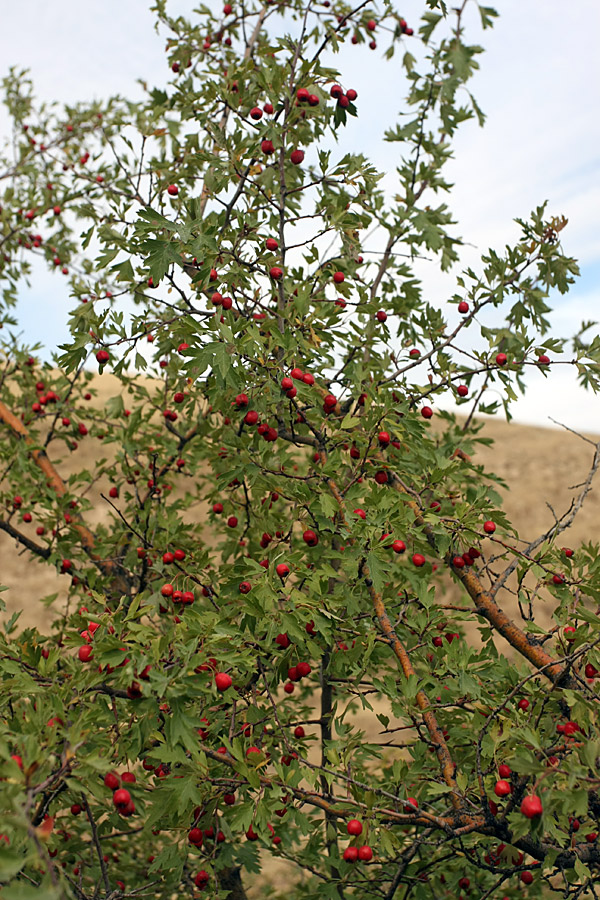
{"x":541,"y":466}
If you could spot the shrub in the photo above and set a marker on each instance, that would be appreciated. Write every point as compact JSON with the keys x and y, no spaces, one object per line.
{"x":268,"y":647}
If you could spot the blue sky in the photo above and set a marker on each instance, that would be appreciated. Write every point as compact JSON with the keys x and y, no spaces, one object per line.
{"x":539,"y":85}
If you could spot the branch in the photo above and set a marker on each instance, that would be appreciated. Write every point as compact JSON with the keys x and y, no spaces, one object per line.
{"x":487,"y":607}
{"x":96,"y":841}
{"x":562,"y":524}
{"x":44,"y":552}
{"x":204,"y":194}
{"x":54,"y":481}
{"x":447,"y":765}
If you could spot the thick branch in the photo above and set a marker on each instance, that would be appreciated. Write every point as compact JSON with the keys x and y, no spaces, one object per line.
{"x":447,"y":765}
{"x":487,"y":607}
{"x":88,"y":541}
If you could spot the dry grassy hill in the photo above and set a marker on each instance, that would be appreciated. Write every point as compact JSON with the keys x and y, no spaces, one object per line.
{"x":541,"y":466}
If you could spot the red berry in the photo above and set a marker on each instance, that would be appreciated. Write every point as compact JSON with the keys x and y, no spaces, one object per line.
{"x":276,"y":273}
{"x":418,"y":560}
{"x":531,"y":806}
{"x":310,"y":537}
{"x":338,"y":277}
{"x":427,"y":412}
{"x":351,"y":854}
{"x":121,"y":797}
{"x":299,"y":731}
{"x":251,"y":750}
{"x":502,"y":789}
{"x":354,"y":827}
{"x":134,"y":691}
{"x":501,"y":359}
{"x":489,"y":527}
{"x":173,"y":190}
{"x":398,"y":546}
{"x":504,"y":771}
{"x":463,"y":307}
{"x":282,"y":570}
{"x":222,"y":681}
{"x":202,"y":878}
{"x":297,"y":156}
{"x":365,"y":854}
{"x":85,"y":653}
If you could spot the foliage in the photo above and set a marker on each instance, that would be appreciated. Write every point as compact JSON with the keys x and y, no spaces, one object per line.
{"x":295,"y":658}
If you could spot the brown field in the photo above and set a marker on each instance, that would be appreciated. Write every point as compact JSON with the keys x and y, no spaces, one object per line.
{"x":541,"y":466}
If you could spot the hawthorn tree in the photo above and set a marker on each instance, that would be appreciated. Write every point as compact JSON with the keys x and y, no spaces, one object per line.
{"x":250,"y":281}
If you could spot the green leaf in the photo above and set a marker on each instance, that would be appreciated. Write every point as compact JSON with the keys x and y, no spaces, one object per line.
{"x":11,"y":862}
{"x":161,"y":255}
{"x":376,"y":571}
{"x":25,"y":891}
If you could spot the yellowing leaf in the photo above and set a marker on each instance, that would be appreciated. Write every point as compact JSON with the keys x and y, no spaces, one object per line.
{"x":44,"y":830}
